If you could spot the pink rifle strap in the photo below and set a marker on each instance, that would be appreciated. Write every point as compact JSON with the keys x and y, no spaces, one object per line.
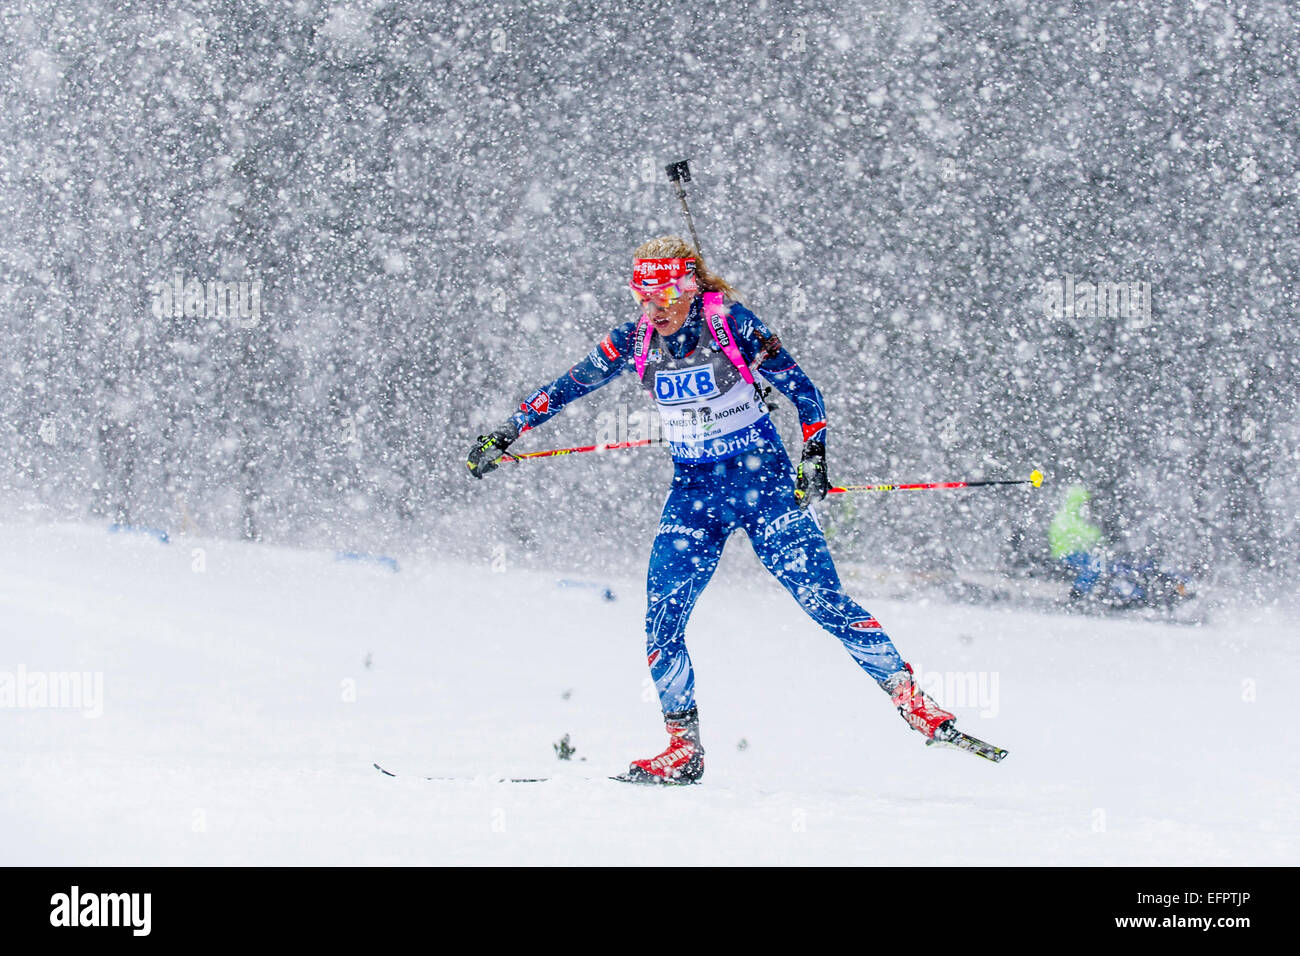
{"x":720,"y":325}
{"x":641,"y":340}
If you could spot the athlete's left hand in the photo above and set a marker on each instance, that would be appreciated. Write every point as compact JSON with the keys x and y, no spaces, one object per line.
{"x":810,"y":478}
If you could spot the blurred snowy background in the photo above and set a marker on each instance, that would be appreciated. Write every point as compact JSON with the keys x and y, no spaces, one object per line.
{"x":424,"y":211}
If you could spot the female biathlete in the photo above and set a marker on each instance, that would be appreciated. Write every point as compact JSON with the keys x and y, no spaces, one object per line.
{"x":693,"y":349}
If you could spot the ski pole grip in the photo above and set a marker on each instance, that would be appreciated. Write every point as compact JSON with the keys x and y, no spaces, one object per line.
{"x":680,"y":170}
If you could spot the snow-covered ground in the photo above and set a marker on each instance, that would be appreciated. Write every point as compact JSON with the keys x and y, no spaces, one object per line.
{"x":247,"y":690}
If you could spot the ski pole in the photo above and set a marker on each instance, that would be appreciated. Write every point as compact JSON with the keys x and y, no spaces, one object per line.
{"x":1035,"y":478}
{"x":511,"y":456}
{"x":678,"y":173}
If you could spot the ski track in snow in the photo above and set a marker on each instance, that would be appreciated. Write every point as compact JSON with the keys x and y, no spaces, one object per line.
{"x":228,"y":736}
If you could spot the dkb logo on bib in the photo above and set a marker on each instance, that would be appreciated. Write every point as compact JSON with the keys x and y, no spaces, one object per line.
{"x":685,"y":385}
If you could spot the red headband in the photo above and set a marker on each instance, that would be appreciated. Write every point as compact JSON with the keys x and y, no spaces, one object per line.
{"x":651,"y":274}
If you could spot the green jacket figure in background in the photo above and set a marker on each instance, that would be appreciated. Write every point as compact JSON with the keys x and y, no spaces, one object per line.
{"x":1074,"y":539}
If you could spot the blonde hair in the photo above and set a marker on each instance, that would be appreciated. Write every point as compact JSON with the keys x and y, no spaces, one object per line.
{"x":675,"y":247}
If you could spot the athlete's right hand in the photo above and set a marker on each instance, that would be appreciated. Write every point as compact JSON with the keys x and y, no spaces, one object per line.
{"x":488,"y":448}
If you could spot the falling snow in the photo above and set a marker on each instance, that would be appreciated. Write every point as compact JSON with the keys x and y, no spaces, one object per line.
{"x":268,"y":269}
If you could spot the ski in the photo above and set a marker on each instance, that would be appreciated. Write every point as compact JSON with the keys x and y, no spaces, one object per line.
{"x":949,"y":736}
{"x":389,"y":773}
{"x":644,"y":779}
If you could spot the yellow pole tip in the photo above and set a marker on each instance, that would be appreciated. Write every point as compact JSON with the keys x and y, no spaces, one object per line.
{"x":1036,"y":477}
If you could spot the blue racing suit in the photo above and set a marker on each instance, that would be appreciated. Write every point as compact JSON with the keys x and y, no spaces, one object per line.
{"x":745,"y":481}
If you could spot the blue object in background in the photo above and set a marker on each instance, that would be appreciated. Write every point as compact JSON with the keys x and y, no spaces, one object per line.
{"x":1088,"y":570}
{"x":1126,"y":580}
{"x":606,"y":592}
{"x":380,"y":559}
{"x":158,"y":533}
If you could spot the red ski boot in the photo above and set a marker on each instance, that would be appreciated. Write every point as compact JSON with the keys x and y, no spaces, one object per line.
{"x":681,"y":763}
{"x":917,"y":707}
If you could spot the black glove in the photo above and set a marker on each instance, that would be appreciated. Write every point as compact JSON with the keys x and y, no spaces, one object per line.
{"x":488,"y":448}
{"x":810,"y":478}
